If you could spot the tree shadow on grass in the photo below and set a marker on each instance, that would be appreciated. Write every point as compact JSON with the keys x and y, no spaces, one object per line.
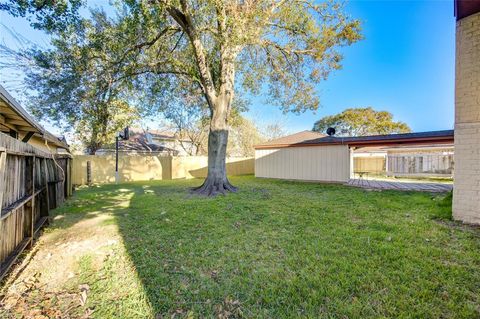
{"x":184,"y":249}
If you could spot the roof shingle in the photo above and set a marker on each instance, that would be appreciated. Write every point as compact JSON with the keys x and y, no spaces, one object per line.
{"x":293,"y":139}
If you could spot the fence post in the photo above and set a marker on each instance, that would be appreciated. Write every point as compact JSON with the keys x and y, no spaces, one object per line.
{"x":30,"y":190}
{"x":3,"y":161}
{"x":47,"y":186}
{"x":89,"y":173}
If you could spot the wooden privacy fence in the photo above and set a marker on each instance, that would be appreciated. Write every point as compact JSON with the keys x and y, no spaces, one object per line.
{"x":420,"y":165}
{"x":149,"y":167}
{"x":31,"y":183}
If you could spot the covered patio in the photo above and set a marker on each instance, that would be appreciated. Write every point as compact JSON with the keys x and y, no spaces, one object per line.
{"x":404,"y":186}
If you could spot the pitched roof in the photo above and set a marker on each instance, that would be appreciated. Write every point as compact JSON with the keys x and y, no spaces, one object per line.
{"x":159,"y":134}
{"x":14,"y":116}
{"x":293,"y":139}
{"x":445,"y":136}
{"x":137,"y":143}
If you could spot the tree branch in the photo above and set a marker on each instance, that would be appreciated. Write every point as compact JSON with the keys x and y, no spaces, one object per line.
{"x":140,"y":46}
{"x":186,"y":24}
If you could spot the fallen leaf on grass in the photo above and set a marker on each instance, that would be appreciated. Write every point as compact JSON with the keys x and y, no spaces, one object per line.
{"x":230,"y":308}
{"x":87,"y":314}
{"x":83,"y":293}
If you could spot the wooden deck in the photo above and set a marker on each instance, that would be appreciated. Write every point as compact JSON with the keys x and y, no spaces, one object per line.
{"x":404,"y":186}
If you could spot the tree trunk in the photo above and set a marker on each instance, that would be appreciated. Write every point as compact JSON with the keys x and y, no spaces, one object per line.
{"x":217,"y":181}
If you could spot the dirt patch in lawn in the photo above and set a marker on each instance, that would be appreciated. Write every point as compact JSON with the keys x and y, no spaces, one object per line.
{"x":47,"y":283}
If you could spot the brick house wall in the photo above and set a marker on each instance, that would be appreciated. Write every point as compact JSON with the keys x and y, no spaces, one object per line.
{"x":466,"y":191}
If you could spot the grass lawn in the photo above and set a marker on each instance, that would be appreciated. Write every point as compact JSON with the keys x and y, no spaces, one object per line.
{"x":275,"y":249}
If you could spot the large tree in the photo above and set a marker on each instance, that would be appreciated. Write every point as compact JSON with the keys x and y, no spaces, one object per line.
{"x":361,"y":122}
{"x":217,"y":47}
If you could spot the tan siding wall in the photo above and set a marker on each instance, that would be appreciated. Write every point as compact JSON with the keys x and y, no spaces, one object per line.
{"x":322,"y":163}
{"x":466,"y":190}
{"x":145,"y":167}
{"x":39,"y":143}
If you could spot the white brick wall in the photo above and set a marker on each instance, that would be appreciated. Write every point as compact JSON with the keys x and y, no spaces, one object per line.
{"x":466,"y":191}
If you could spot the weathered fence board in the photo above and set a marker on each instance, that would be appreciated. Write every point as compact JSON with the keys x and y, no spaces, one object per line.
{"x":420,"y":165}
{"x":31,"y":183}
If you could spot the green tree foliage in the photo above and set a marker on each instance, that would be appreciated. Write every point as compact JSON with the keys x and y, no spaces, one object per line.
{"x":191,"y":122}
{"x":361,"y":122}
{"x":215,"y":48}
{"x":244,"y":135}
{"x":49,"y":15}
{"x":74,"y":84}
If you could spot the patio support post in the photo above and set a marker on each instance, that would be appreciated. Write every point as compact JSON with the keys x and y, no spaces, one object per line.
{"x":352,"y":163}
{"x":387,"y":172}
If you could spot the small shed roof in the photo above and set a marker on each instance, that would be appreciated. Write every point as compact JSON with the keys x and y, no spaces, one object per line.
{"x":419,"y":138}
{"x":292,"y":139}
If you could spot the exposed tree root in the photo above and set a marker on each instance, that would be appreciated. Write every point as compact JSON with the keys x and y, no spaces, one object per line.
{"x":214,"y":187}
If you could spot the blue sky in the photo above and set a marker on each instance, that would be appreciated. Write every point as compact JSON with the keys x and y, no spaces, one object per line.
{"x":404,"y":65}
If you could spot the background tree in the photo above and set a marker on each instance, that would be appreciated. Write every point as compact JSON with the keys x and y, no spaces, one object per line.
{"x":218,"y":47}
{"x":274,"y":130}
{"x":98,"y":124}
{"x":190,"y":123}
{"x":244,"y":135}
{"x":361,"y":122}
{"x":74,"y":85}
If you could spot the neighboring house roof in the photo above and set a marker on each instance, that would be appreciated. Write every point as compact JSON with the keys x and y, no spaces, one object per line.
{"x":292,"y":139}
{"x":432,"y":137}
{"x":160,"y":134}
{"x":137,"y":143}
{"x":14,"y":117}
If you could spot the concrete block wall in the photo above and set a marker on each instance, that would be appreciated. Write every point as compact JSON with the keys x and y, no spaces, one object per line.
{"x":466,"y":192}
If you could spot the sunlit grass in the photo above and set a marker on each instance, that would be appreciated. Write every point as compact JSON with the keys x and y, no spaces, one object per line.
{"x":278,"y":249}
